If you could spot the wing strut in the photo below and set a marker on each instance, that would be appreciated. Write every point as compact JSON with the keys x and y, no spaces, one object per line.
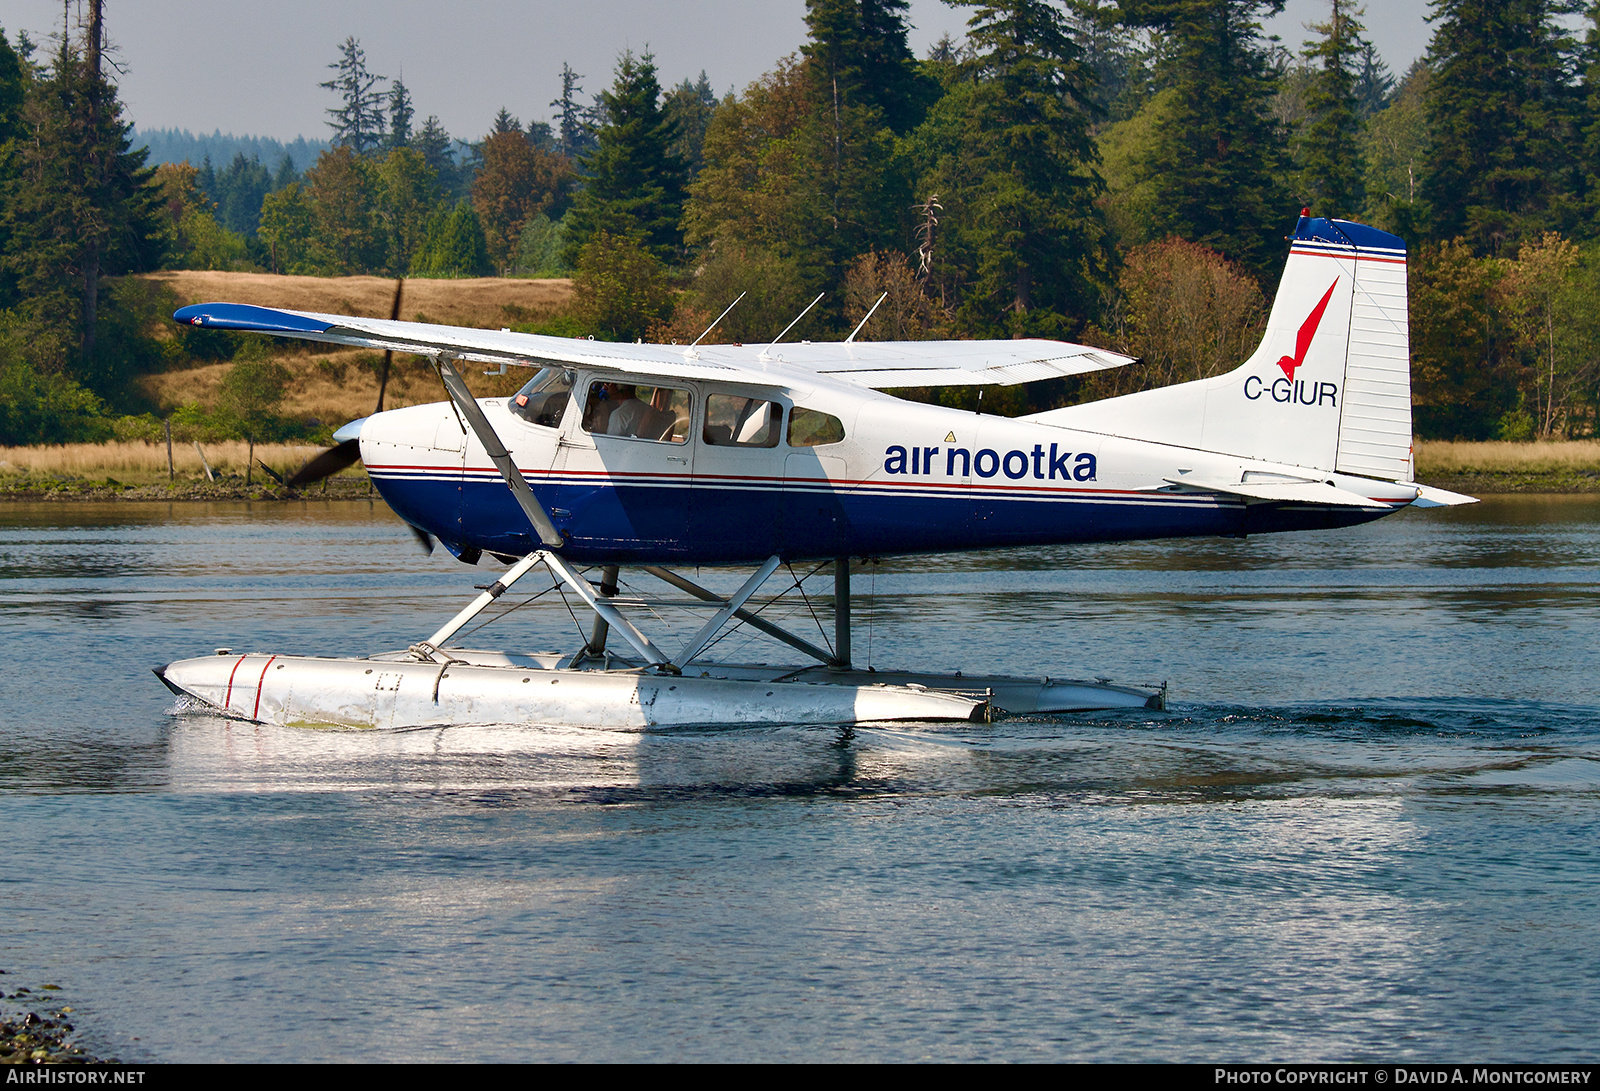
{"x":469,"y":408}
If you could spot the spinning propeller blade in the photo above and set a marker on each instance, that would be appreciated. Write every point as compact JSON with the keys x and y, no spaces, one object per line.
{"x":424,"y":539}
{"x":388,"y":354}
{"x":344,"y":455}
{"x":328,"y":463}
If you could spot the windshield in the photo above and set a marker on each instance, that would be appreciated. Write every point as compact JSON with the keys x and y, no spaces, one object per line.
{"x":544,"y":399}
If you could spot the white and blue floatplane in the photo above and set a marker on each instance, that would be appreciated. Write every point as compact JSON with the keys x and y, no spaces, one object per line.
{"x":657,"y":457}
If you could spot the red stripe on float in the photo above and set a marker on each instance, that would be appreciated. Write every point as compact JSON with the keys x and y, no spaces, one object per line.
{"x":227,"y":702}
{"x":261,"y":684}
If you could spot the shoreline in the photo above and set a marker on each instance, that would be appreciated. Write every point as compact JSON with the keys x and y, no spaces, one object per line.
{"x":35,"y":1029}
{"x":33,"y":490}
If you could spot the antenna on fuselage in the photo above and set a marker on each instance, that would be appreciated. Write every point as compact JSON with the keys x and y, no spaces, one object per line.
{"x":799,"y":316}
{"x":720,"y":317}
{"x":867,"y":319}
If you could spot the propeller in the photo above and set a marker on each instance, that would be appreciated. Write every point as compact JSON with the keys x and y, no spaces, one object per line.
{"x":388,"y":354}
{"x":343,"y":455}
{"x":338,"y":457}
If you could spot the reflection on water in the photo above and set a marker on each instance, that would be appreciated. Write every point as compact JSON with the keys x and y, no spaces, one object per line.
{"x":1364,"y":832}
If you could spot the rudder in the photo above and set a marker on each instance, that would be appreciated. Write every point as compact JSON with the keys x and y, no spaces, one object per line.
{"x":1328,"y":388}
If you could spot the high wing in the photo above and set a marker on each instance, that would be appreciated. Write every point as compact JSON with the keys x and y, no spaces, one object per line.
{"x":876,"y":365}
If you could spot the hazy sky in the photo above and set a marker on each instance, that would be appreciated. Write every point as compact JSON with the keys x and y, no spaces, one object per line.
{"x":253,"y":68}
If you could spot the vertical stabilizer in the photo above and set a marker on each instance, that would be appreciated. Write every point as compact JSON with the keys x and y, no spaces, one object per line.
{"x":1329,"y":388}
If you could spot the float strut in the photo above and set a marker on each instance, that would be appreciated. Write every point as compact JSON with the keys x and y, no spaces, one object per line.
{"x":666,"y":575}
{"x":841,"y":611}
{"x":597,"y":635}
{"x":698,"y":642}
{"x":476,"y":607}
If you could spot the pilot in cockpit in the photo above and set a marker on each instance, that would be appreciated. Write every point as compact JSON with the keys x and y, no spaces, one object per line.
{"x":627,"y":411}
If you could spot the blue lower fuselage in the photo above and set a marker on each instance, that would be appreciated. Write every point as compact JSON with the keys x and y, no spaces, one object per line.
{"x":728,"y":522}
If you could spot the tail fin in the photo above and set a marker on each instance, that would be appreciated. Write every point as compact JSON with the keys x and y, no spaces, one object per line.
{"x":1330,"y":385}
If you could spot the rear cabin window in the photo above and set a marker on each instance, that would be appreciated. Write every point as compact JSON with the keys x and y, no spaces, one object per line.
{"x":544,"y":399}
{"x":809,"y":428}
{"x":629,"y":411}
{"x":735,"y":421}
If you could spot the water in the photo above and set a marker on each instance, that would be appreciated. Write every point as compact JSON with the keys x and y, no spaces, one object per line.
{"x":1366,"y":831}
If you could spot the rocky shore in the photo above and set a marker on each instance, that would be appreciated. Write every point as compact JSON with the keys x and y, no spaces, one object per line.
{"x":1487,"y":482}
{"x":42,"y":487}
{"x":33,"y":1030}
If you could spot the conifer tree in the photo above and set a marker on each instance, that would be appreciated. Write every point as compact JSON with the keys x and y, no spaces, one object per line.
{"x":79,"y":208}
{"x":434,"y":144}
{"x":690,"y":106}
{"x":1501,"y":111}
{"x":1374,"y":82}
{"x":1329,"y":144}
{"x":11,"y":92}
{"x":1214,"y":163}
{"x":504,"y":122}
{"x":860,"y":58}
{"x":238,"y":191}
{"x":358,"y":120}
{"x":635,"y":184}
{"x":400,"y":116}
{"x":1020,"y":196}
{"x":572,"y":132}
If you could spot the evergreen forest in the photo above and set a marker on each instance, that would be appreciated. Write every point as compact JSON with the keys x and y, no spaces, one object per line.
{"x":1118,"y":173}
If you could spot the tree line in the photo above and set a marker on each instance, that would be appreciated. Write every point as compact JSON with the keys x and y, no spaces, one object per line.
{"x":1119,"y":173}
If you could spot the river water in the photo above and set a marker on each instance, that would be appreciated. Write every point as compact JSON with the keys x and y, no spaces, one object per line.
{"x":1366,"y":830}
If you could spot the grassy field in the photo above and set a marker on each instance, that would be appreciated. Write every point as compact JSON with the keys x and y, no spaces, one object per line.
{"x":143,"y":463}
{"x":332,"y":387}
{"x":336,"y":385}
{"x":1548,"y":466}
{"x":485,"y":302}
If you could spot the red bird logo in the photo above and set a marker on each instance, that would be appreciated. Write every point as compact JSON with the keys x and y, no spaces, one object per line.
{"x":1308,"y":330}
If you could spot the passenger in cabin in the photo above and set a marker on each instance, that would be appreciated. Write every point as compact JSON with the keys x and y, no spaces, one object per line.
{"x":628,"y":412}
{"x":662,"y":420}
{"x":598,"y":407}
{"x":657,"y":413}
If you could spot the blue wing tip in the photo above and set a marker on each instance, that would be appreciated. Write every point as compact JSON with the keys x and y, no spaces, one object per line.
{"x":242,"y":316}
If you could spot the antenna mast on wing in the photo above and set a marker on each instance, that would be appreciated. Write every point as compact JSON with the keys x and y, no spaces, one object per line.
{"x":867,"y":319}
{"x":799,"y":316}
{"x":720,"y":317}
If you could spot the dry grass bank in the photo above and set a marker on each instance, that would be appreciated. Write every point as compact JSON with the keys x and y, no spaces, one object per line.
{"x":485,"y":302}
{"x":1566,"y":466}
{"x":332,"y":387}
{"x":1440,"y":456}
{"x":335,"y":385}
{"x":146,"y":463}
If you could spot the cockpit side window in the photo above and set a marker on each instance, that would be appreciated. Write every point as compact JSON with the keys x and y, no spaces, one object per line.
{"x":544,"y":399}
{"x":735,"y":421}
{"x":657,"y":413}
{"x":810,"y":428}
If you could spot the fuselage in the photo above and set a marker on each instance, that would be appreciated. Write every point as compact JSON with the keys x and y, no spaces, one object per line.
{"x":726,"y":473}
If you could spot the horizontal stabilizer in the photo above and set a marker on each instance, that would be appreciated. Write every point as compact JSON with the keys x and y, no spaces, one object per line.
{"x":1296,"y":492}
{"x":1430,"y":497}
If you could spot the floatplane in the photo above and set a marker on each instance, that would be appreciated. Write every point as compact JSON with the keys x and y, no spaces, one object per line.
{"x":661,"y":457}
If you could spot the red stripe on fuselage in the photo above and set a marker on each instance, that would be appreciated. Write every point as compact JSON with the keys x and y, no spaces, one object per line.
{"x":1347,"y":256}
